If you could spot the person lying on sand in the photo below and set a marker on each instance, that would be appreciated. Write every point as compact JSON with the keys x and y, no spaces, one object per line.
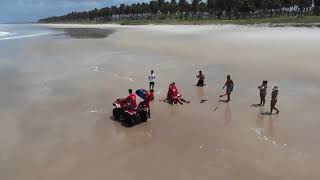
{"x":201,"y":78}
{"x":229,"y":84}
{"x":263,"y":92}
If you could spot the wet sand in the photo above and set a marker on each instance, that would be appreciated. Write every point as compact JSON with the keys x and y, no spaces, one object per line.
{"x":57,"y":92}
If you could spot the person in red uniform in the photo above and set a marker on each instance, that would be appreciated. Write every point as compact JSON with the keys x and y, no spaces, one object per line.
{"x":149,"y":98}
{"x":150,"y":93}
{"x":174,"y":95}
{"x":130,"y":101}
{"x":146,"y":102}
{"x":169,"y":92}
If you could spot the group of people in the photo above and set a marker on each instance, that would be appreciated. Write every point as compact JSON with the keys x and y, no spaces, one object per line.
{"x":174,"y":97}
{"x":274,"y":96}
{"x":131,"y":100}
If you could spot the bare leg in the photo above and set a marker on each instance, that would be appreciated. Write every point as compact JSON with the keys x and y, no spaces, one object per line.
{"x":272,"y":107}
{"x":184,"y":100}
{"x":179,"y":101}
{"x":261,"y":101}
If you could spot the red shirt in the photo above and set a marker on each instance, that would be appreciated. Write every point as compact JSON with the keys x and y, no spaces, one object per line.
{"x":169,"y":90}
{"x":174,"y":91}
{"x":146,"y":102}
{"x":132,"y":100}
{"x":150,"y":96}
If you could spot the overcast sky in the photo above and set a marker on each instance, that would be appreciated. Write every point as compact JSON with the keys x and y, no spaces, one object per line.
{"x":32,"y":10}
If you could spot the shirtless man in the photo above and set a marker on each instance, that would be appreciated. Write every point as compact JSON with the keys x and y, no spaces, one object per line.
{"x":263,"y":92}
{"x":201,"y":78}
{"x":274,"y":100}
{"x":229,"y":84}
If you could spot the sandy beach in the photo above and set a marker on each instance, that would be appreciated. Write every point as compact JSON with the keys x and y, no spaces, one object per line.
{"x":57,"y":92}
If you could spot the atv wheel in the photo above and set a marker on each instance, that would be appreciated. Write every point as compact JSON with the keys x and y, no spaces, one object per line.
{"x":143,"y":116}
{"x":116,"y":114}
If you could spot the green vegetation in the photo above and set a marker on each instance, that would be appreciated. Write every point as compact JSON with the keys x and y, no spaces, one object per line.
{"x":200,"y":12}
{"x":294,"y":21}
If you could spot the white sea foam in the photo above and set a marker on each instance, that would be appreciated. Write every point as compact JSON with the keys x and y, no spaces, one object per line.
{"x":260,"y":136}
{"x":123,"y":77}
{"x":4,"y":33}
{"x":23,"y":36}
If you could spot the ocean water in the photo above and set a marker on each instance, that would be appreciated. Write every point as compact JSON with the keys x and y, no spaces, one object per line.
{"x":22,"y":31}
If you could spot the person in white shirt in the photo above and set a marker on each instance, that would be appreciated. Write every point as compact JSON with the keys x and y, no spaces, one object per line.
{"x":151,"y":79}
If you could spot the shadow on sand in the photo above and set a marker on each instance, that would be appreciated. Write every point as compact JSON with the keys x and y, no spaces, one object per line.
{"x":87,"y":33}
{"x":256,"y":105}
{"x":265,"y":113}
{"x":124,"y":123}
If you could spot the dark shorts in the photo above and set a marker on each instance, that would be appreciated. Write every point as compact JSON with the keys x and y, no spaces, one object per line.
{"x":263,"y":96}
{"x":151,"y":83}
{"x":228,"y":91}
{"x":273,"y":102}
{"x":200,"y":83}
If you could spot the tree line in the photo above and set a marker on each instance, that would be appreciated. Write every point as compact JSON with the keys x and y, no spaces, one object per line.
{"x":194,"y":9}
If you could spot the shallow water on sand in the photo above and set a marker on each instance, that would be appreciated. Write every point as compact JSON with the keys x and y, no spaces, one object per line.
{"x":56,"y":98}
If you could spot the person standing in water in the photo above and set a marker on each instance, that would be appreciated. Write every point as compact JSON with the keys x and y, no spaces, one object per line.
{"x":274,"y":100}
{"x":263,"y":93}
{"x":201,"y":78}
{"x":146,"y":102}
{"x":151,"y":79}
{"x":229,"y":84}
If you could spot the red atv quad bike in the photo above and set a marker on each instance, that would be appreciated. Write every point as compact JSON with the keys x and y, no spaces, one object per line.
{"x":130,"y":116}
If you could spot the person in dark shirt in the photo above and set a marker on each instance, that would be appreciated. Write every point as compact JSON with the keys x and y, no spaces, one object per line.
{"x":274,"y":100}
{"x":201,"y":78}
{"x":263,"y":92}
{"x":229,"y":84}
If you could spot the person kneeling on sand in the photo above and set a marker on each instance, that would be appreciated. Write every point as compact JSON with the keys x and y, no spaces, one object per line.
{"x":201,"y":78}
{"x":174,"y":96}
{"x":274,"y":100}
{"x":229,"y":84}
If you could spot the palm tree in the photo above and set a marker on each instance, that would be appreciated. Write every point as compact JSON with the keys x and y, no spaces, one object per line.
{"x":153,"y":5}
{"x":316,"y":7}
{"x":210,"y":7}
{"x":195,"y":7}
{"x":202,"y":9}
{"x":173,"y":8}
